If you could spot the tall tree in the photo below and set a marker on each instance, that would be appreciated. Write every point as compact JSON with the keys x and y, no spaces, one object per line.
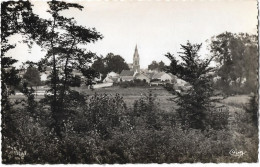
{"x":196,"y":102}
{"x":17,"y":17}
{"x":161,"y":66}
{"x":110,"y":63}
{"x":236,"y":55}
{"x":63,"y":40}
{"x":251,"y":57}
{"x":156,"y":66}
{"x":32,"y":77}
{"x":115,"y":63}
{"x":153,"y":66}
{"x":99,"y":66}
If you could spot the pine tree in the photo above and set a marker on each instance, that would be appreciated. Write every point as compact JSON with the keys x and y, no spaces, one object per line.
{"x":196,"y":101}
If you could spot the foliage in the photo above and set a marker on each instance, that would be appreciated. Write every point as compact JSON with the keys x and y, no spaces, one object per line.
{"x":196,"y":102}
{"x":105,"y":113}
{"x":63,"y":40}
{"x":134,"y":83}
{"x":100,"y":129}
{"x":16,"y":17}
{"x":115,"y":63}
{"x":99,"y":65}
{"x":145,"y":110}
{"x":252,"y":109}
{"x":237,"y":57}
{"x":32,"y":76}
{"x":217,"y":118}
{"x":110,"y":63}
{"x":157,"y":66}
{"x":74,"y":81}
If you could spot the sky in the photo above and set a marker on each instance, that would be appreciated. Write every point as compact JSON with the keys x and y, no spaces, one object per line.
{"x":156,"y":27}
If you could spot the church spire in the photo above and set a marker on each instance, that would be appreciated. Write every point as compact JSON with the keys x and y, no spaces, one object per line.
{"x":136,"y":51}
{"x":136,"y":65}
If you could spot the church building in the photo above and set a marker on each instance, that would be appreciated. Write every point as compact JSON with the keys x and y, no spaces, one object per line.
{"x":135,"y":66}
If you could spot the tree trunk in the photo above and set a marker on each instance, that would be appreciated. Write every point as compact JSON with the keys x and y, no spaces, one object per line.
{"x":66,"y":73}
{"x":55,"y":104}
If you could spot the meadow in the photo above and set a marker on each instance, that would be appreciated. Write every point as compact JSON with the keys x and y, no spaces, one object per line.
{"x":163,"y":97}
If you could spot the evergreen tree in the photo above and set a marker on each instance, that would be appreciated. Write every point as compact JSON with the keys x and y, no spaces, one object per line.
{"x":196,"y":102}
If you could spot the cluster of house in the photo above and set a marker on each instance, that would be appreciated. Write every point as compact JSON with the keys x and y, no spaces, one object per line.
{"x":150,"y":77}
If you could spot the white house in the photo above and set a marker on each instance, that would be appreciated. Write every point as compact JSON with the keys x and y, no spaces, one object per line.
{"x":163,"y":76}
{"x":111,"y":77}
{"x":180,"y":82}
{"x":46,"y":74}
{"x":113,"y":74}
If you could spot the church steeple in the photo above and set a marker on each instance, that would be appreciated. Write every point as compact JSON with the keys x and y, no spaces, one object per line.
{"x":136,"y":65}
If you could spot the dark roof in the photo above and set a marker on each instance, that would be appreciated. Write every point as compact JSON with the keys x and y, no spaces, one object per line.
{"x":127,"y":73}
{"x":158,"y":75}
{"x":141,"y":74}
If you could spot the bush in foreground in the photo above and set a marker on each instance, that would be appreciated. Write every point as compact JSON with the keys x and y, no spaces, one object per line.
{"x":101,"y":129}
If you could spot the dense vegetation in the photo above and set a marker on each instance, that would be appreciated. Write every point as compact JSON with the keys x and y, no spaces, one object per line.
{"x":102,"y":129}
{"x":237,"y":58}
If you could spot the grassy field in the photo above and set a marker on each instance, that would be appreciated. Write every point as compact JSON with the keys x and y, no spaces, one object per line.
{"x":235,"y":103}
{"x":238,"y":100}
{"x":163,"y":97}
